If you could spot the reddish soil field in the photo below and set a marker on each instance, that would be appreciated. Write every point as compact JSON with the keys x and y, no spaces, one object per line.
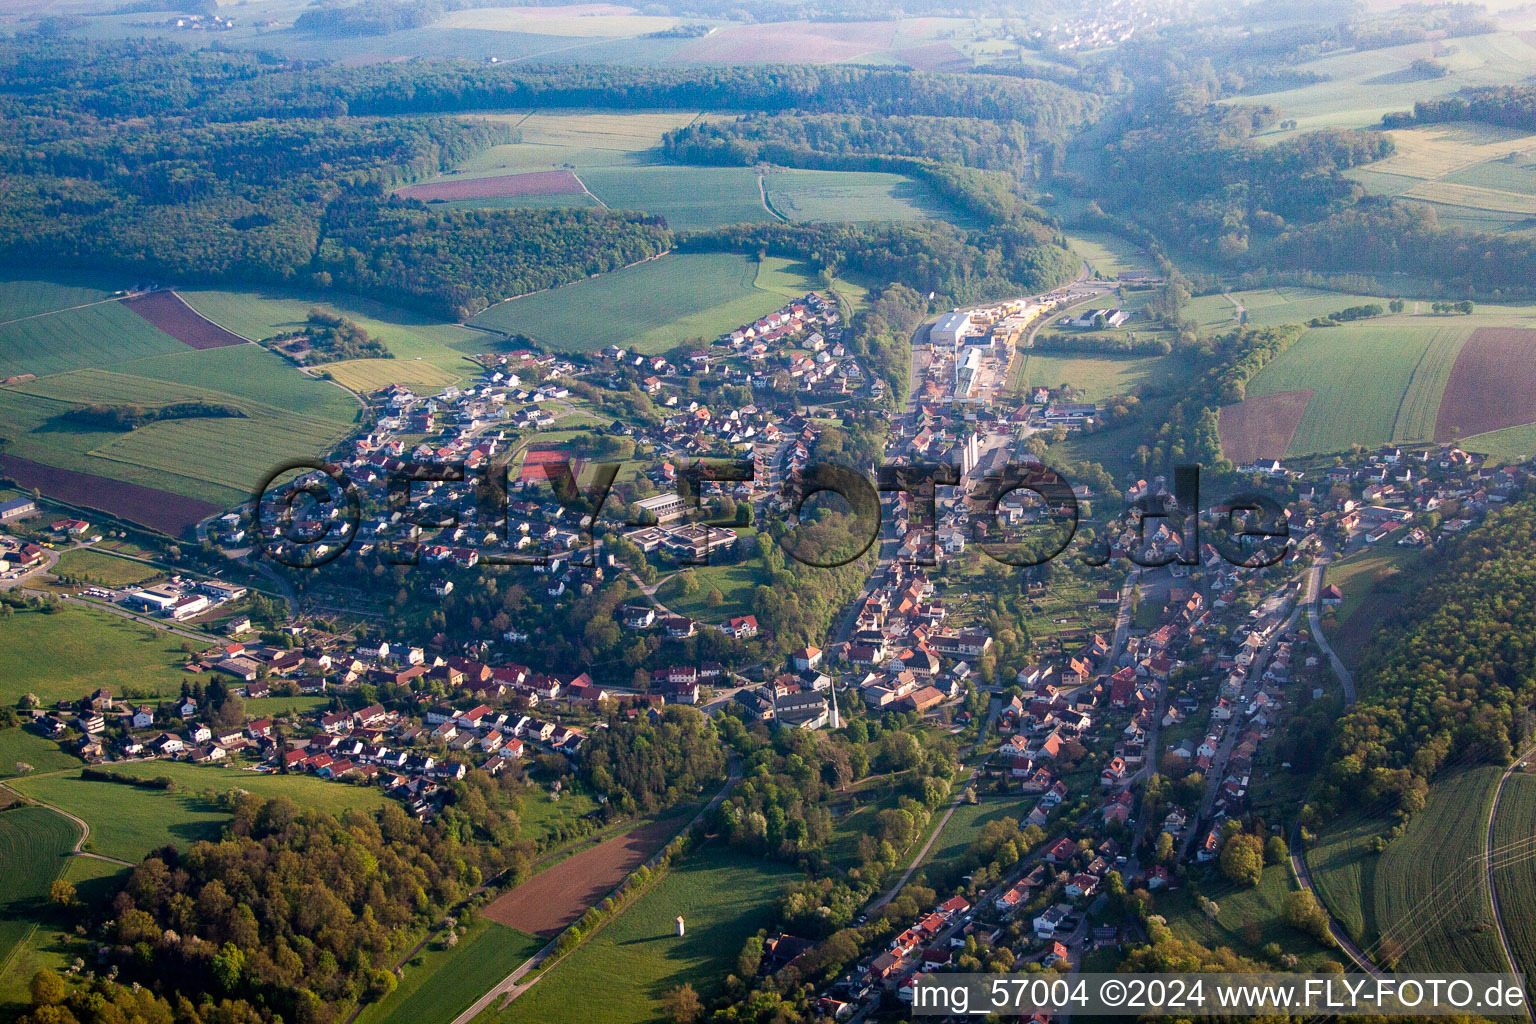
{"x":790,"y":41}
{"x":167,"y":311}
{"x":169,"y":513}
{"x":536,"y":183}
{"x":935,"y":57}
{"x":551,"y":900}
{"x":1492,"y":385}
{"x":1261,"y":428}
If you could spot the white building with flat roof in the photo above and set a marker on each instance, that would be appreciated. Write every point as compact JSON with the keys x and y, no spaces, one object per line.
{"x":950,"y":329}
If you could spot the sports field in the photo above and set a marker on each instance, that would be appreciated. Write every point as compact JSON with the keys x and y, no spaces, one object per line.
{"x":652,"y":306}
{"x":722,"y":896}
{"x":440,"y":984}
{"x":128,"y":822}
{"x":66,"y":655}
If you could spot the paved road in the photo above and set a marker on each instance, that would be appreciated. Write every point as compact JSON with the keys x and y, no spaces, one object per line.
{"x":1340,"y":936}
{"x":1493,"y":892}
{"x":1315,"y":590}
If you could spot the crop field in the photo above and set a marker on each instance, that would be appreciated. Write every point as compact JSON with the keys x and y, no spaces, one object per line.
{"x":411,"y":337}
{"x":216,"y":460}
{"x":1492,"y":384}
{"x":722,"y":896}
{"x":579,"y":139}
{"x":833,"y":196}
{"x":128,"y":822}
{"x":492,"y":186}
{"x":446,"y":982}
{"x":651,"y":306}
{"x":1371,"y":382}
{"x":550,"y":900}
{"x":171,"y":514}
{"x":578,"y":20}
{"x":22,"y":295}
{"x":34,"y":844}
{"x":107,"y":569}
{"x":97,"y":335}
{"x":66,"y":655}
{"x":690,"y":198}
{"x":1262,"y":427}
{"x":1475,"y":175}
{"x":168,"y":312}
{"x":791,"y":42}
{"x":1516,"y":881}
{"x":20,"y":746}
{"x":1344,"y":872}
{"x":366,"y":376}
{"x":1438,"y":841}
{"x":1511,"y":444}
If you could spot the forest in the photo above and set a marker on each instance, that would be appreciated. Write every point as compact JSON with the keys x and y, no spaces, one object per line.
{"x":1448,"y":678}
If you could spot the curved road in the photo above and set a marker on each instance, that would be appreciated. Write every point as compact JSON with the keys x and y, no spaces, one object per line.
{"x":1354,"y":952}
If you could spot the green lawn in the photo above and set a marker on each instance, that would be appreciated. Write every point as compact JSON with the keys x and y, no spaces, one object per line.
{"x":736,"y":584}
{"x":440,"y":984}
{"x":652,"y":306}
{"x":128,"y":822}
{"x":267,"y":707}
{"x":1098,"y":377}
{"x":103,"y":568}
{"x":1365,"y":571}
{"x":690,"y":198}
{"x":1110,"y":254}
{"x":34,"y":845}
{"x":1511,"y":444}
{"x":836,"y":196}
{"x":552,"y":823}
{"x":965,"y":825}
{"x":23,"y":746}
{"x":66,"y":655}
{"x":620,"y":975}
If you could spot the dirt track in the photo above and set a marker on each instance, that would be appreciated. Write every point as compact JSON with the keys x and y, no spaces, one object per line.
{"x":552,"y":899}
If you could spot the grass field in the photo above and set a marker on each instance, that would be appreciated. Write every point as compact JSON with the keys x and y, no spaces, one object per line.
{"x":620,"y":975}
{"x":735,"y":583}
{"x":128,"y":822}
{"x":1109,"y":254}
{"x":426,"y":351}
{"x":49,"y":944}
{"x":1510,"y":444}
{"x":834,"y":196}
{"x":440,"y":984}
{"x":24,"y":295}
{"x":104,"y":568}
{"x":690,"y":198}
{"x":95,"y":335}
{"x":66,"y":655}
{"x":581,"y":139}
{"x":652,"y":306}
{"x":1364,"y":572}
{"x":1098,"y":378}
{"x":1476,"y":175}
{"x":1262,"y":906}
{"x":22,"y":746}
{"x":965,"y":825}
{"x":34,"y":844}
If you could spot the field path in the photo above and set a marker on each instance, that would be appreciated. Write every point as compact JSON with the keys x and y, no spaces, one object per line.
{"x":762,"y":195}
{"x":595,"y":198}
{"x":80,"y":823}
{"x":66,"y":309}
{"x":1315,"y":586}
{"x":1493,"y":892}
